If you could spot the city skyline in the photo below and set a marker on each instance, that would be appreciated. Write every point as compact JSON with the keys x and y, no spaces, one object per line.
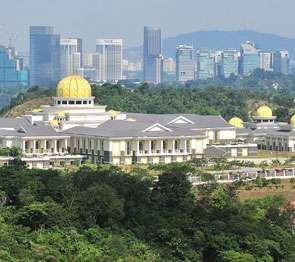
{"x":220,"y":18}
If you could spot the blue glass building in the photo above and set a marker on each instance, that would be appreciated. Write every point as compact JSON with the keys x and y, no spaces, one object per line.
{"x":250,"y":59}
{"x":44,"y":56}
{"x":206,"y":64}
{"x":185,"y":63}
{"x":11,"y":74}
{"x":229,"y":62}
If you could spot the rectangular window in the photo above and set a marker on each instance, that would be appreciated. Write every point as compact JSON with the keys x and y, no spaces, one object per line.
{"x":153,"y":147}
{"x":188,"y":146}
{"x":78,"y":102}
{"x":128,"y":148}
{"x":84,"y":102}
{"x":215,"y":136}
{"x":140,"y":147}
{"x":64,"y":102}
{"x":71,"y":102}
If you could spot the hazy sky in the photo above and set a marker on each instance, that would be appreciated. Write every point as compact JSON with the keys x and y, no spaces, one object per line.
{"x":91,"y":19}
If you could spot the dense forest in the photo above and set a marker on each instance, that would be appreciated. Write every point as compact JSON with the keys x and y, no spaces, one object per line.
{"x":106,"y":214}
{"x":208,"y":98}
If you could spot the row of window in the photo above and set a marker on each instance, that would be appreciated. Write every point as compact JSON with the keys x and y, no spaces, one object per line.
{"x":73,"y":102}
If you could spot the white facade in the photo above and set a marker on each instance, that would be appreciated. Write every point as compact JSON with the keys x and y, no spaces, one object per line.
{"x":111,"y":51}
{"x":70,"y":58}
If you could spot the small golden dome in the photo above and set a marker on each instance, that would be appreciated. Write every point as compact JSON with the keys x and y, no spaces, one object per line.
{"x":237,"y":122}
{"x":37,"y":110}
{"x":293,"y":120}
{"x":73,"y":86}
{"x":264,"y":111}
{"x":113,"y":112}
{"x":61,"y":113}
{"x":54,"y":122}
{"x":131,"y":119}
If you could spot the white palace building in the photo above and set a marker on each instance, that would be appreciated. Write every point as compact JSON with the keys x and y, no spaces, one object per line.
{"x":74,"y":129}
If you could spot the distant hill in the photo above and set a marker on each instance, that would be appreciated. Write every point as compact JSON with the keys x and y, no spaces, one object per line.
{"x":218,"y":40}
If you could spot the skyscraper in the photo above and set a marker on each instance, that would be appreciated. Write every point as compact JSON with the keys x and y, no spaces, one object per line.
{"x":70,"y":57}
{"x":12,"y":72}
{"x":185,"y":63}
{"x":250,"y":59}
{"x":282,"y":62}
{"x":206,"y":64}
{"x":266,"y":62}
{"x":44,"y":55}
{"x":111,"y":58}
{"x":152,"y":55}
{"x":229,"y":62}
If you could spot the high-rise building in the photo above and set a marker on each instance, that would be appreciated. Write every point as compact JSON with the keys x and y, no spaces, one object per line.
{"x":169,"y":65}
{"x":44,"y":55}
{"x":249,"y":59}
{"x":97,"y":62}
{"x":70,"y":57}
{"x":12,"y":72}
{"x":111,"y":52}
{"x":87,"y":59}
{"x":282,"y":62}
{"x":266,"y":62}
{"x":185,"y":63}
{"x":152,"y":55}
{"x":229,"y":62}
{"x":205,"y":64}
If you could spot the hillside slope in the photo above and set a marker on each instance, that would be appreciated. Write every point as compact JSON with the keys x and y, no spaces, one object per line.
{"x":28,"y":106}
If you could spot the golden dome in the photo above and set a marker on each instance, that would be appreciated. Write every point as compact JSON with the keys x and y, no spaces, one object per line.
{"x":131,"y":119}
{"x":113,"y":112}
{"x":73,"y":86}
{"x":61,"y":113}
{"x":293,"y":120}
{"x":237,"y":122}
{"x":54,"y":122}
{"x":264,"y":111}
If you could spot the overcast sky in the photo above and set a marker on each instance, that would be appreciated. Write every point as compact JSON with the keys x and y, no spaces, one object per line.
{"x":91,"y":19}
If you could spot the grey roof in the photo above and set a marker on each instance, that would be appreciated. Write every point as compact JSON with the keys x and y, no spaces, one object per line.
{"x":209,"y":121}
{"x":281,"y":133}
{"x":23,"y":128}
{"x":123,"y":128}
{"x":242,"y":131}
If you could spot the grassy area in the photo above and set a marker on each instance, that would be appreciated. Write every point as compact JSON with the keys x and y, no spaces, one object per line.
{"x":285,"y":189}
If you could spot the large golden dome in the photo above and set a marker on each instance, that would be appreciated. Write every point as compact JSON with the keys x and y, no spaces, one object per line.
{"x":293,"y":120}
{"x":237,"y":122}
{"x":264,"y":111}
{"x":73,"y":86}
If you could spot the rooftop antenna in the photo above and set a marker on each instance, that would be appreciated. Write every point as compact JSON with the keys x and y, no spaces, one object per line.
{"x":12,"y":39}
{"x":2,"y":28}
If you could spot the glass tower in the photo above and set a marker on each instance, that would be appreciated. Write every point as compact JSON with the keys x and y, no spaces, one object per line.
{"x":206,"y":64}
{"x":44,"y":56}
{"x":185,"y":63}
{"x":11,"y":70}
{"x":282,"y":62}
{"x":229,"y":62}
{"x":152,"y":55}
{"x":111,"y":59}
{"x":250,"y":59}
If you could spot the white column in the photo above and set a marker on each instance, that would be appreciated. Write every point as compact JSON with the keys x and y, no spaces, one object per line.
{"x":137,"y":147}
{"x":150,"y":145}
{"x":24,"y":146}
{"x":173,"y":146}
{"x":54,"y":146}
{"x":34,"y":146}
{"x":161,"y":141}
{"x":44,"y":145}
{"x":185,"y":148}
{"x":66,"y":144}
